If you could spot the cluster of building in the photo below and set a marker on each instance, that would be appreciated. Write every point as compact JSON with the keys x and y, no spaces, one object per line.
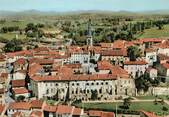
{"x":104,"y":72}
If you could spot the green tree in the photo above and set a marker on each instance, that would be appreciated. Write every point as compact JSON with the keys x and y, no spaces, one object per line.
{"x":133,"y":52}
{"x":12,"y":46}
{"x":126,"y":103}
{"x":20,"y":98}
{"x":94,"y":95}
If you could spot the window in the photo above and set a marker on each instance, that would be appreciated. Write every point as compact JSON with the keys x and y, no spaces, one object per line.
{"x":92,"y":83}
{"x":100,"y":91}
{"x":77,"y":84}
{"x":87,"y":83}
{"x":97,"y":83}
{"x":73,"y":84}
{"x":106,"y":83}
{"x":47,"y":91}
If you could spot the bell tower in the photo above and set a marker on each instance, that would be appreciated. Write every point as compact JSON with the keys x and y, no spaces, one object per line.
{"x":89,"y":34}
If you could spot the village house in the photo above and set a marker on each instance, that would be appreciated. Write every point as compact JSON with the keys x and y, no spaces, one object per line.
{"x":17,"y":92}
{"x":163,"y":70}
{"x":23,"y":107}
{"x":2,"y":63}
{"x":161,"y":58}
{"x":152,"y":72}
{"x":135,"y":68}
{"x":20,"y":64}
{"x":150,"y":56}
{"x":19,"y":75}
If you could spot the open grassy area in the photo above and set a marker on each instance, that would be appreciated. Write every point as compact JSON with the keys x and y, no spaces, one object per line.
{"x":135,"y":106}
{"x":10,"y":36}
{"x":155,"y":33}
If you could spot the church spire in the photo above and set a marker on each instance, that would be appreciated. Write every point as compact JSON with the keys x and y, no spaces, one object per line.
{"x":89,"y":35}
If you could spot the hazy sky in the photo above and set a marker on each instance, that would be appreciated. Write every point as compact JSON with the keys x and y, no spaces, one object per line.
{"x":74,"y":5}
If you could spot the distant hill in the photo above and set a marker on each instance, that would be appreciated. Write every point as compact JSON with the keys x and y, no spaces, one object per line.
{"x":54,"y":13}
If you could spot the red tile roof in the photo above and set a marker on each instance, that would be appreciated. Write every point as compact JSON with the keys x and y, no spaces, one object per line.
{"x":119,"y":44}
{"x":104,"y":65}
{"x":77,"y":111}
{"x":17,"y":114}
{"x":141,"y":62}
{"x":75,"y":77}
{"x":149,"y":114}
{"x":165,"y":65}
{"x":34,"y":68}
{"x":157,"y":40}
{"x":20,"y":90}
{"x":18,"y":83}
{"x":96,"y":113}
{"x":20,"y":106}
{"x":20,"y":61}
{"x":36,"y":114}
{"x":36,"y":104}
{"x":121,"y":52}
{"x":64,"y":109}
{"x":49,"y":108}
{"x":2,"y":90}
{"x":2,"y":108}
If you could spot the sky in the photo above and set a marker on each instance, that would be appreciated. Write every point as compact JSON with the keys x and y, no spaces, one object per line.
{"x":77,"y":5}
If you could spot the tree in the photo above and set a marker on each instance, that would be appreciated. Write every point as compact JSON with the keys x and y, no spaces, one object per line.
{"x":94,"y":95}
{"x":12,"y":46}
{"x":20,"y":98}
{"x":165,"y":108}
{"x":126,"y":103}
{"x":133,"y":52}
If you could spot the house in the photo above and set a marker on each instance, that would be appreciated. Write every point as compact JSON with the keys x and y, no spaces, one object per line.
{"x":36,"y":114}
{"x":104,"y":67}
{"x":62,"y":111}
{"x":2,"y":62}
{"x":36,"y":105}
{"x":20,"y":92}
{"x":18,"y":83}
{"x":150,"y":56}
{"x":135,"y":68}
{"x":163,"y":70}
{"x":116,"y":56}
{"x":21,"y":107}
{"x":4,"y":79}
{"x":18,"y":114}
{"x":20,"y":64}
{"x":161,"y":58}
{"x":19,"y":75}
{"x":152,"y":72}
{"x":2,"y":95}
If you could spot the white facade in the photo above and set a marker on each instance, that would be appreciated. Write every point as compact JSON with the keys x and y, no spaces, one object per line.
{"x":151,"y":57}
{"x":19,"y":76}
{"x":164,"y":51}
{"x":82,"y":89}
{"x":136,"y":69}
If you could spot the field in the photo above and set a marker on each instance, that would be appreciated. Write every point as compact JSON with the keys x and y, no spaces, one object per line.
{"x":154,"y":33}
{"x":135,"y":106}
{"x":10,"y":36}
